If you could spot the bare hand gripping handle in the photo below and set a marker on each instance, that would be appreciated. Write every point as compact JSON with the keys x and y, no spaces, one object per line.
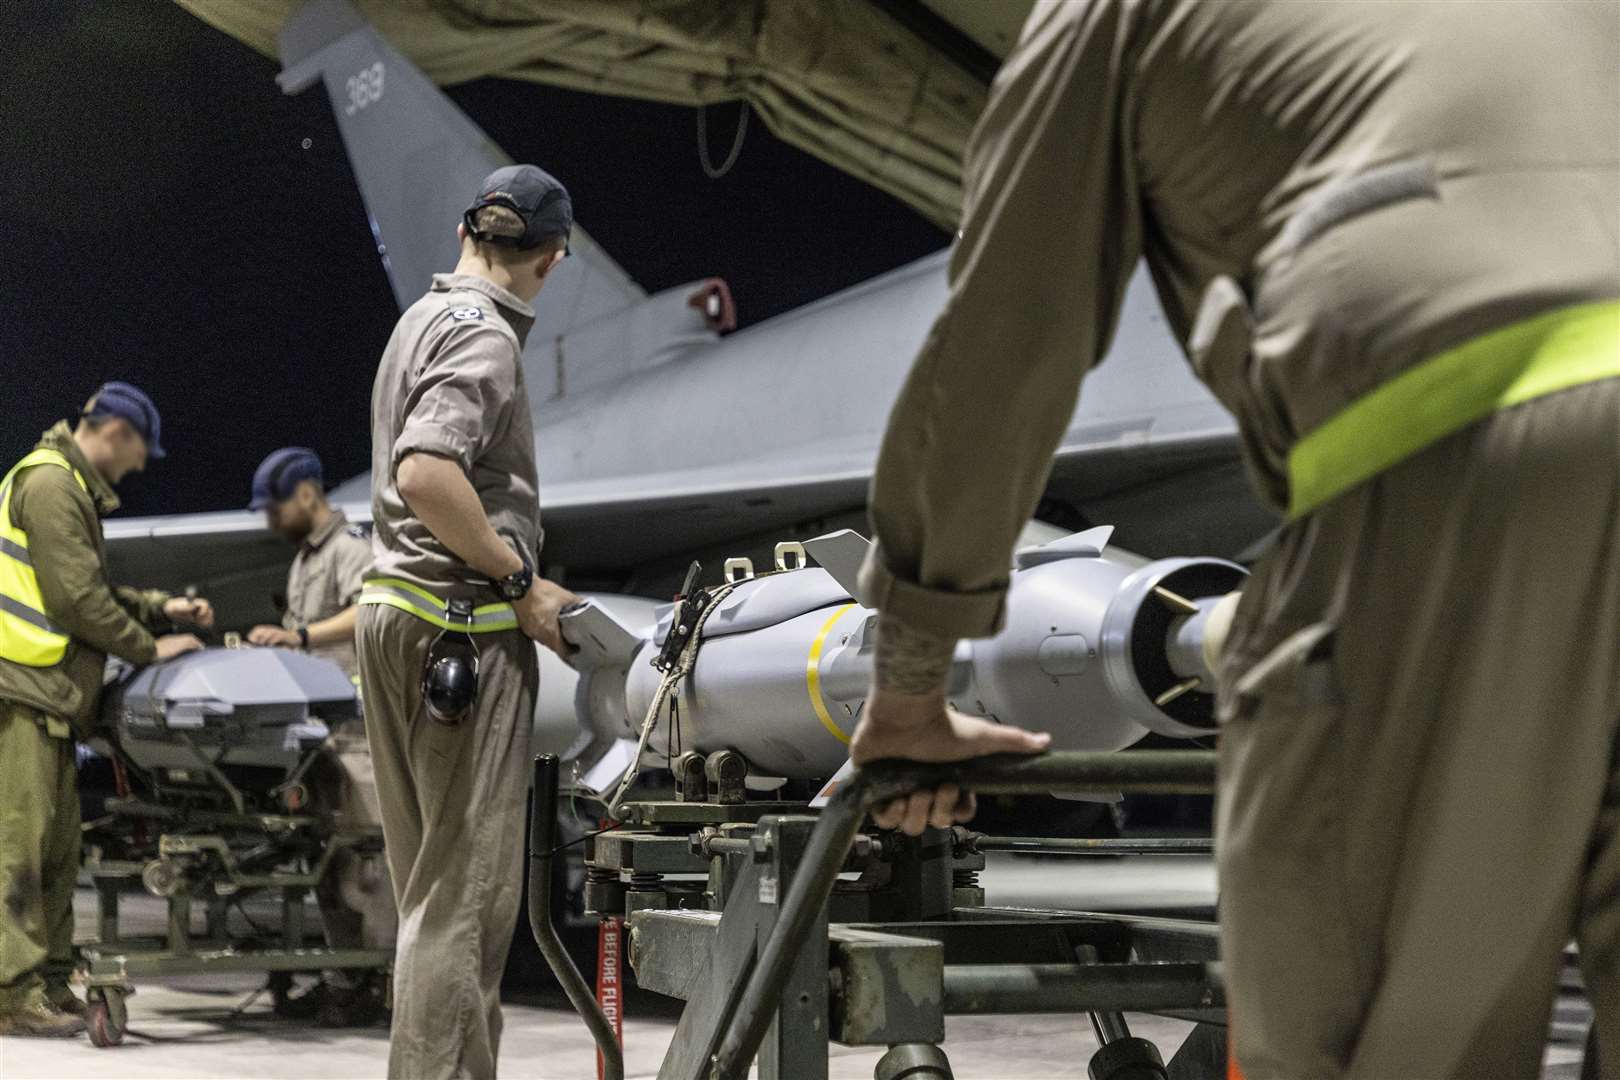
{"x":1170,"y":771}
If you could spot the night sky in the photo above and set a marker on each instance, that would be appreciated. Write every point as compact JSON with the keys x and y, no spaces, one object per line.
{"x":161,"y":221}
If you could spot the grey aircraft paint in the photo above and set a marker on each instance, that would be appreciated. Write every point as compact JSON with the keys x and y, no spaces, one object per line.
{"x":659,"y":438}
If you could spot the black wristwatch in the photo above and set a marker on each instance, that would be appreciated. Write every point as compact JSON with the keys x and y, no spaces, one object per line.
{"x":515,"y":586}
{"x":303,"y":638}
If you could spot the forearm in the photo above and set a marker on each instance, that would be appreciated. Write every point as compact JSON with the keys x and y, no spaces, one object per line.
{"x":101,"y":623}
{"x":145,"y":605}
{"x":910,"y":661}
{"x":947,"y":506}
{"x":439,"y":494}
{"x":335,"y":630}
{"x":1050,"y":234}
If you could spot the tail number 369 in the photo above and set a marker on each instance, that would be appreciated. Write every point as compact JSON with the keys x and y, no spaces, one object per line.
{"x":364,"y":88}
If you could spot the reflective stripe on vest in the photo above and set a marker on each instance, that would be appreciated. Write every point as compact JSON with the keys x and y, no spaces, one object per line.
{"x":27,"y":635}
{"x":1446,"y":393}
{"x":394,"y":593}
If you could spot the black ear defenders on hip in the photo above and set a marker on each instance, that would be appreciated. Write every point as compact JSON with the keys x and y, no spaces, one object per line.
{"x":450,"y":675}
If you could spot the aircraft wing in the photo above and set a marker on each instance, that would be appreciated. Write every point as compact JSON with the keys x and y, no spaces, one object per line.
{"x":229,"y":556}
{"x":622,"y":522}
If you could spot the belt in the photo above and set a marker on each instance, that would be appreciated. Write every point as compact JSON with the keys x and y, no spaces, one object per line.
{"x":415,"y":600}
{"x":1445,"y":393}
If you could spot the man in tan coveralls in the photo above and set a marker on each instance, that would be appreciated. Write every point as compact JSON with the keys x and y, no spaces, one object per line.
{"x":456,"y":521}
{"x":323,"y":593}
{"x":1387,"y":235}
{"x":53,"y":578}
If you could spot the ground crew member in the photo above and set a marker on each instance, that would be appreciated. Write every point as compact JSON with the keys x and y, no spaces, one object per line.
{"x":60,"y":619}
{"x":323,"y":590}
{"x":456,"y":535}
{"x":1387,"y":235}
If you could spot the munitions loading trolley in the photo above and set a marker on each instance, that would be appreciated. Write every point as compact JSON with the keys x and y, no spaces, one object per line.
{"x":776,"y":956}
{"x":212,"y":753}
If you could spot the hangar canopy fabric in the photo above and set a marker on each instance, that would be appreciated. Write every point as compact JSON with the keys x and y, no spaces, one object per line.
{"x":837,"y":78}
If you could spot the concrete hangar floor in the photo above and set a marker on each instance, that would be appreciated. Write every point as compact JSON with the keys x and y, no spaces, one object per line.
{"x":198,"y":1029}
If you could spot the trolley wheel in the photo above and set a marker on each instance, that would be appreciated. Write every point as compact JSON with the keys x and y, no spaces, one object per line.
{"x":1127,"y":1059}
{"x":107,"y":1018}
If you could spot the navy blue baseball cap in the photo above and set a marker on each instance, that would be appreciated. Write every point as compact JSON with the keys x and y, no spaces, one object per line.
{"x":279,"y":475}
{"x":535,"y":196}
{"x":129,"y":402}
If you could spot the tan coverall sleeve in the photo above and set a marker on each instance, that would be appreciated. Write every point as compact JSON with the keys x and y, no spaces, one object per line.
{"x":1051,"y":232}
{"x":353,"y":558}
{"x":458,"y":404}
{"x":72,"y":581}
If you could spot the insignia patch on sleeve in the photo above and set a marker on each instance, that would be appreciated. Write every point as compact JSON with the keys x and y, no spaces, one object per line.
{"x":461,"y":314}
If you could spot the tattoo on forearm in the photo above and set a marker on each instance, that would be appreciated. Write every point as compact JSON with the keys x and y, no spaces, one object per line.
{"x":910,"y":661}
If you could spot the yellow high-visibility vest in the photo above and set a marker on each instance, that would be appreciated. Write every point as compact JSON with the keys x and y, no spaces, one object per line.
{"x":27,"y":635}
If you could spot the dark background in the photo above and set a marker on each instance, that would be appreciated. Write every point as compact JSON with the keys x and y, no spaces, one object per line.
{"x":161,"y":221}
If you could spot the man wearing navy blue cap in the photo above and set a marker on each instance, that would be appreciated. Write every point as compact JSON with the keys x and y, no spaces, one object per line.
{"x":323,"y":585}
{"x":456,"y":538}
{"x":324,"y":582}
{"x":60,"y":618}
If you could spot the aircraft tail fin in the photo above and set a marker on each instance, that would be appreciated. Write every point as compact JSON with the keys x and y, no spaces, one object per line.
{"x":418,"y":159}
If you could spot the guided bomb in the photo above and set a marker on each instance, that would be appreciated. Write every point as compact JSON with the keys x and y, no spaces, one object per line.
{"x":1100,"y":647}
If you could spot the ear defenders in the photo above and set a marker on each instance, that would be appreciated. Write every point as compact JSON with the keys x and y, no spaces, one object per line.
{"x":450,"y":673}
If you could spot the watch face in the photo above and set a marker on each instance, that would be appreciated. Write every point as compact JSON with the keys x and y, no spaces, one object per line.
{"x":516,"y":586}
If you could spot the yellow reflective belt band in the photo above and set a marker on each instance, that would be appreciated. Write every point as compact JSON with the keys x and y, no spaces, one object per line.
{"x":1446,"y":393}
{"x":415,"y":600}
{"x":431,"y":603}
{"x":812,"y":675}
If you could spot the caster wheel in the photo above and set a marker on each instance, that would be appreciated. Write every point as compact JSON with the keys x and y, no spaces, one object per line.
{"x":1128,"y":1059}
{"x":107,"y":1018}
{"x":162,"y":877}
